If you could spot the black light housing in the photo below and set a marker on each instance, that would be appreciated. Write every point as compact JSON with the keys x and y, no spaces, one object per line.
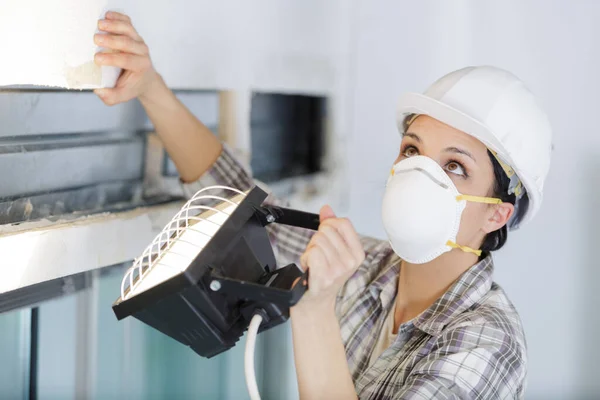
{"x":226,"y":272}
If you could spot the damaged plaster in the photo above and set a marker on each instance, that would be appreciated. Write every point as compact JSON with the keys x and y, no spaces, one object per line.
{"x":50,"y":43}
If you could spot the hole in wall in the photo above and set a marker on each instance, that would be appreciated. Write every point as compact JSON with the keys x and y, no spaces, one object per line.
{"x":287,"y":135}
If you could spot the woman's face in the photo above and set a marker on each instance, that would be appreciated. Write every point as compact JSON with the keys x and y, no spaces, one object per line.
{"x":466,"y":161}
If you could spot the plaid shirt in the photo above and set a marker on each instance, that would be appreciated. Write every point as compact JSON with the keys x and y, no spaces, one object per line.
{"x":469,"y":344}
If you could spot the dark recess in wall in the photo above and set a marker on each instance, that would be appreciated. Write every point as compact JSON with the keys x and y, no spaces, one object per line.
{"x":287,"y":133}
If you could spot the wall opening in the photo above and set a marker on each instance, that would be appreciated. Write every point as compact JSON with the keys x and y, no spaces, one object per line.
{"x":287,"y":135}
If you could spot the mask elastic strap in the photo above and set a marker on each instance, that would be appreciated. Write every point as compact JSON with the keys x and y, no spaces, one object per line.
{"x":478,"y":199}
{"x":463,"y":248}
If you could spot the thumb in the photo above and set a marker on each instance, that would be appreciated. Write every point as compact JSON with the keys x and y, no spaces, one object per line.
{"x":326,"y":213}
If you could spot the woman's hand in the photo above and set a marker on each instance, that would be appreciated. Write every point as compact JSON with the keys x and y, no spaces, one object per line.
{"x":331,"y":257}
{"x":125,"y":49}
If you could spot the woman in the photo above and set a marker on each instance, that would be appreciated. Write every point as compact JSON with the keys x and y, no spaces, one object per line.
{"x":417,"y":316}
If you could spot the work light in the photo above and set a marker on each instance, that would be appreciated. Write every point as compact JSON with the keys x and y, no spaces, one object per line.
{"x":212,"y":270}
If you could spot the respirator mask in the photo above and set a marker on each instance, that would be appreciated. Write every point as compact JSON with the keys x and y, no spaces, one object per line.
{"x":422,"y":209}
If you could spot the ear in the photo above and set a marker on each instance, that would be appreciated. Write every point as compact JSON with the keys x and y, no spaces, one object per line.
{"x":501,"y":213}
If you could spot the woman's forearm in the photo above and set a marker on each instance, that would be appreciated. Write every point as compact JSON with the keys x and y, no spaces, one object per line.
{"x":321,"y":365}
{"x":191,"y":145}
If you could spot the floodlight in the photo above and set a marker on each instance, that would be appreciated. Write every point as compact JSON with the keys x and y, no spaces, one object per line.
{"x":212,"y":271}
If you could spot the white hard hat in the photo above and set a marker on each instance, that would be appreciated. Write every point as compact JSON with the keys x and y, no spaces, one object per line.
{"x":495,"y":107}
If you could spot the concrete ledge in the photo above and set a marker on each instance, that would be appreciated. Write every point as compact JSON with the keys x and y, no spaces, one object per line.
{"x":35,"y":252}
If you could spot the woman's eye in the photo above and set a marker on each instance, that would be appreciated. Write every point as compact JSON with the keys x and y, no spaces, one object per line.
{"x":410,"y":151}
{"x":455,"y":168}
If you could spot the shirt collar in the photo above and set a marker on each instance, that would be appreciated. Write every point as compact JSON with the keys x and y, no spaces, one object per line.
{"x":472,"y":285}
{"x":385,"y":285}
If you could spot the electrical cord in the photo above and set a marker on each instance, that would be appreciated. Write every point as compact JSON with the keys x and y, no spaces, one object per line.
{"x":249,"y":356}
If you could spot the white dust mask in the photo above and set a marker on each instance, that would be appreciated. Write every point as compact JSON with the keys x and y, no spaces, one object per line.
{"x":422,"y":209}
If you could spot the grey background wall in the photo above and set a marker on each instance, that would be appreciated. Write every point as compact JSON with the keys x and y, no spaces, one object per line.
{"x":549,"y":268}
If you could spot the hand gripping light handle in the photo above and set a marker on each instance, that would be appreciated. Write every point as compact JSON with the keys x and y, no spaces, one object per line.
{"x":283,"y":287}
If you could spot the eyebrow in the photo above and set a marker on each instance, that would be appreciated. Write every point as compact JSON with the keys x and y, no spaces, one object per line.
{"x":460,"y":151}
{"x":413,"y":136}
{"x":456,"y":150}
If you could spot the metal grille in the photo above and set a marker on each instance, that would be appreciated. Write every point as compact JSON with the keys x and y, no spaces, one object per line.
{"x":182,"y":239}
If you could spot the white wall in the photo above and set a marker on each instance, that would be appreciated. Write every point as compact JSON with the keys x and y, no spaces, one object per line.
{"x":549,"y":268}
{"x":265,"y":45}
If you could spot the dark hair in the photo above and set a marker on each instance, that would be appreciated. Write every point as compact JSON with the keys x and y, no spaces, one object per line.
{"x":495,"y":240}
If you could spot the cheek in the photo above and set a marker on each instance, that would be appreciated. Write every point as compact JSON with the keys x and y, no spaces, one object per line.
{"x":472,"y":220}
{"x":466,"y":186}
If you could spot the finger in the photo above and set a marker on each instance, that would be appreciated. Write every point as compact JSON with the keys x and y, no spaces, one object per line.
{"x":110,"y":97}
{"x":304,"y":260}
{"x":346,"y":229}
{"x":121,"y":43}
{"x":343,"y":254}
{"x":329,"y":249}
{"x":118,"y":16}
{"x":326,"y":213}
{"x":126,"y":61}
{"x":305,"y":257}
{"x":119,"y":27}
{"x":311,"y":242}
{"x":318,"y":277}
{"x":314,"y":241}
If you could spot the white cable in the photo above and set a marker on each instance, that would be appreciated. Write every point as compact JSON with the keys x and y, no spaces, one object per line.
{"x":249,"y":357}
